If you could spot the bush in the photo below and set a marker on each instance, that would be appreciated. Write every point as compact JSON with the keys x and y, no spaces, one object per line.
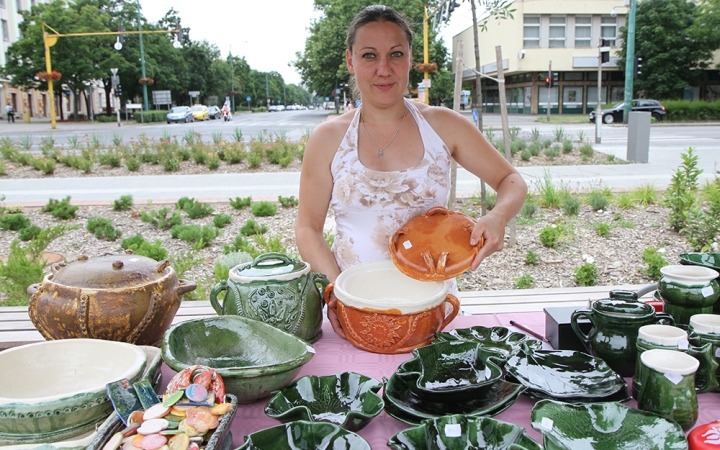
{"x":102,"y":228}
{"x":60,"y":209}
{"x":194,"y":208}
{"x":552,"y":152}
{"x":567,"y":146}
{"x":602,"y":229}
{"x":264,"y":209}
{"x":29,"y":233}
{"x":680,"y":196}
{"x":655,"y":261}
{"x":160,"y":219}
{"x":14,"y":222}
{"x":571,"y":205}
{"x":150,"y":116}
{"x":251,"y":228}
{"x":124,"y":203}
{"x":587,"y":150}
{"x":531,"y":258}
{"x":524,"y":282}
{"x":586,"y":275}
{"x":140,"y":246}
{"x":528,"y":210}
{"x":535,"y":148}
{"x":194,"y":235}
{"x":111,"y":158}
{"x":241,"y":203}
{"x":680,"y":110}
{"x":221,"y":220}
{"x":288,"y":202}
{"x":525,"y":155}
{"x":597,"y":200}
{"x":551,"y":235}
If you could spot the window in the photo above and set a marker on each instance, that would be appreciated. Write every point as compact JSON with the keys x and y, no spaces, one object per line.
{"x":583,"y":31}
{"x":608,"y":29}
{"x":557,"y":32}
{"x":531,"y":31}
{"x":5,"y":30}
{"x":2,"y":4}
{"x":19,"y":6}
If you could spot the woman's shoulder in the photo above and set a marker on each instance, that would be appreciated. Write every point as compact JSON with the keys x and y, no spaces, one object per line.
{"x":436,"y":113}
{"x":329,"y":134}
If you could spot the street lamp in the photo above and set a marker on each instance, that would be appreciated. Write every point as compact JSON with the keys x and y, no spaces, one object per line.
{"x":142,"y":59}
{"x":232,"y":82}
{"x":629,"y":61}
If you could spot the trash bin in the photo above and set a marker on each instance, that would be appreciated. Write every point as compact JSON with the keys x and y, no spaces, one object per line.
{"x":26,"y":116}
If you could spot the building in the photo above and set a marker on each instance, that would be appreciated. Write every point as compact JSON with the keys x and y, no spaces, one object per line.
{"x":559,"y":36}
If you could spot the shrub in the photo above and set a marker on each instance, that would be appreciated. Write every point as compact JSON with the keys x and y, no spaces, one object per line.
{"x":288,"y":202}
{"x":602,"y":229}
{"x":559,"y":133}
{"x":655,"y":261}
{"x":212,"y":161}
{"x":102,"y":228}
{"x":529,"y":209}
{"x":133,"y":163}
{"x":597,"y":200}
{"x":241,"y":203}
{"x":525,"y":155}
{"x":551,"y":235}
{"x":170,"y":163}
{"x":111,"y":158}
{"x":29,"y":232}
{"x":587,"y":150}
{"x":227,"y":262}
{"x":682,"y":110}
{"x":626,"y":200}
{"x":680,"y":196}
{"x":221,"y":220}
{"x":159,"y":218}
{"x":251,"y":228}
{"x":14,"y":222}
{"x":264,"y":209}
{"x":703,"y":224}
{"x":60,"y":209}
{"x":531,"y":257}
{"x":45,"y":165}
{"x":535,"y":148}
{"x":586,"y":275}
{"x":552,"y":152}
{"x":567,"y":146}
{"x":195,"y":235}
{"x":254,"y":159}
{"x":140,"y":246}
{"x":150,"y":116}
{"x":571,"y":205}
{"x":124,"y":203}
{"x":524,"y":282}
{"x":194,"y":208}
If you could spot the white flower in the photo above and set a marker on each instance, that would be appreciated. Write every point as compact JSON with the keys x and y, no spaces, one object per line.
{"x":661,"y":250}
{"x":588,"y":259}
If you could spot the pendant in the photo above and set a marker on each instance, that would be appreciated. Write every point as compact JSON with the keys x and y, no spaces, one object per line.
{"x":380,"y":154}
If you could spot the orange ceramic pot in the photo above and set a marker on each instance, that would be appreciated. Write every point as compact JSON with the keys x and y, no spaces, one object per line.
{"x":382,"y":310}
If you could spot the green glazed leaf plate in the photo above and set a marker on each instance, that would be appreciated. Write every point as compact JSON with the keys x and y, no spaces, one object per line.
{"x":460,"y":432}
{"x":709,"y":259}
{"x":304,"y":435}
{"x":500,"y":338}
{"x":567,"y":375}
{"x":413,"y":409}
{"x":604,"y":426}
{"x":348,"y":399}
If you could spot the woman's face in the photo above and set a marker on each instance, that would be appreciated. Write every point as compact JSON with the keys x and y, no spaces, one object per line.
{"x":380,"y":60}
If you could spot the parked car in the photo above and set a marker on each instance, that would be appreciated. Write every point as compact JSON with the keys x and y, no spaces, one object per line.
{"x":179,"y":114}
{"x":214,"y":112}
{"x":200,"y":112}
{"x":272,"y":108}
{"x":615,"y":114}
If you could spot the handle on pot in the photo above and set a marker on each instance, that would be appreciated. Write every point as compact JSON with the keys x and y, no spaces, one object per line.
{"x":576,"y":328}
{"x":218,"y":288}
{"x":32,"y":289}
{"x":708,"y":367}
{"x":283,"y":258}
{"x":455,"y":303}
{"x":664,"y":318}
{"x":185,"y":286}
{"x":437,"y":210}
{"x":326,"y":295}
{"x":320,"y":280}
{"x":628,"y":296}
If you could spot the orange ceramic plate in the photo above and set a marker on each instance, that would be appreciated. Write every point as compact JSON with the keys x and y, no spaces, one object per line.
{"x":435,"y":245}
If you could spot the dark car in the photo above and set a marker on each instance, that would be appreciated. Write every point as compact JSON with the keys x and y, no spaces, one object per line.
{"x":615,"y":114}
{"x":214,"y":112}
{"x":180,"y":114}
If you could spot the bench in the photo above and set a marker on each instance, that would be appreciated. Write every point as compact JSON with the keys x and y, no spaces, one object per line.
{"x":16,"y":328}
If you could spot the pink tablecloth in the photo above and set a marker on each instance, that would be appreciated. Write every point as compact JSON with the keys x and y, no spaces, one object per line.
{"x":335,"y":355}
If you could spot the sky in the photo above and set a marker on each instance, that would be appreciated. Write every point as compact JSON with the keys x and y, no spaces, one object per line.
{"x":267,"y":33}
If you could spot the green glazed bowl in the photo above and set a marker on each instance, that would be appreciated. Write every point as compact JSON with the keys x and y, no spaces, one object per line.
{"x":55,"y":390}
{"x":451,"y":371}
{"x":500,"y":339}
{"x":252,"y":357}
{"x":302,"y":435}
{"x":349,"y":400}
{"x":460,"y":432}
{"x":609,"y":425}
{"x":709,"y":260}
{"x":689,"y":286}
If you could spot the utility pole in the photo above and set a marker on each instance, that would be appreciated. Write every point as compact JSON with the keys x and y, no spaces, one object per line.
{"x":629,"y":61}
{"x":456,"y":107}
{"x":598,"y":110}
{"x":505,"y":127}
{"x":478,"y":80}
{"x":142,"y":59}
{"x":426,"y":58}
{"x":549,"y":89}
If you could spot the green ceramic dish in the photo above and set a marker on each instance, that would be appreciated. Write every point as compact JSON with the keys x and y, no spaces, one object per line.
{"x":709,"y":260}
{"x":347,"y":399}
{"x":604,"y":426}
{"x":499,"y":338}
{"x":252,"y":357}
{"x":460,"y":432}
{"x":451,"y":371}
{"x":34,"y":410}
{"x":398,"y":397}
{"x":566,"y":375}
{"x":302,"y":435}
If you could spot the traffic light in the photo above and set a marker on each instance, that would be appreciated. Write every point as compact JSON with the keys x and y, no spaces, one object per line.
{"x":121,"y":37}
{"x":548,"y":83}
{"x":118,"y":91}
{"x":452,"y":6}
{"x":637,"y":69}
{"x":554,"y":79}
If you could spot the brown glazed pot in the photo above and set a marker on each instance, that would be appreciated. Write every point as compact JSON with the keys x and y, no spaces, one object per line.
{"x":127,"y":298}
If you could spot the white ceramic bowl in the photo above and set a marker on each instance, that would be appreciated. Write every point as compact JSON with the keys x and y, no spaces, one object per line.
{"x":665,"y":361}
{"x":689,"y":275}
{"x":665,"y":335}
{"x":54,"y":390}
{"x":705,"y":323}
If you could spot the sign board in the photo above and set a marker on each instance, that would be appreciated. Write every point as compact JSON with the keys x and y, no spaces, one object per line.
{"x":426,"y":82}
{"x":133,"y":106}
{"x":194,"y":93}
{"x":115,"y":80}
{"x":162,"y":97}
{"x":327,"y":99}
{"x":475,"y":115}
{"x":248,"y":99}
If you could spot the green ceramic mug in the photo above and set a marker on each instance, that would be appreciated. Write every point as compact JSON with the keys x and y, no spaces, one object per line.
{"x":615,"y":325}
{"x":704,"y":329}
{"x":673,"y":338}
{"x":668,"y":386}
{"x":688,"y":290}
{"x":277,"y":290}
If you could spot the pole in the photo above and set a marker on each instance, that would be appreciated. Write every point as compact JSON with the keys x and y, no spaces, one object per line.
{"x":142,"y":60}
{"x":505,"y":126}
{"x":629,"y":61}
{"x":549,"y":89}
{"x":598,"y":110}
{"x":49,"y":41}
{"x":232,"y":82}
{"x":267,"y":91}
{"x":478,"y":86}
{"x":426,"y":58}
{"x":456,"y":107}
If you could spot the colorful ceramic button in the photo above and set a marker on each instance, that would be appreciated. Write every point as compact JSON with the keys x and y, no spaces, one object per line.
{"x":114,"y":442}
{"x":196,"y":393}
{"x":179,"y":442}
{"x":153,"y":442}
{"x":153,"y":426}
{"x":173,"y":398}
{"x":705,"y":436}
{"x":156,"y":411}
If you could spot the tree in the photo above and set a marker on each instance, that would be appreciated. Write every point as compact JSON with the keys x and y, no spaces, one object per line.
{"x":322,"y":65}
{"x":673,"y":49}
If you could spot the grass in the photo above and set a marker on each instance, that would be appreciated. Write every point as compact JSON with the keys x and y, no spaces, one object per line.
{"x":564,"y":118}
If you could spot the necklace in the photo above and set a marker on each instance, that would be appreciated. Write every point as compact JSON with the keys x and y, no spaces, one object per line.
{"x":380,"y":150}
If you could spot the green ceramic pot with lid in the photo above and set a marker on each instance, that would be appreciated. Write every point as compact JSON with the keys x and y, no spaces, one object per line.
{"x":614,"y":332}
{"x":277,"y":290}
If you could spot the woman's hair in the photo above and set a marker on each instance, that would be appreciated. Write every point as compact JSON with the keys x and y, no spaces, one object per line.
{"x":378,"y":13}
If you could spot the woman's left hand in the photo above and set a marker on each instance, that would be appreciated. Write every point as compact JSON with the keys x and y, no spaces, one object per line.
{"x":491,"y":230}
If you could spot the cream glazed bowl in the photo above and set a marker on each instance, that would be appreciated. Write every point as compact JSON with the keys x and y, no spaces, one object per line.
{"x":383,"y":310}
{"x":53,"y":390}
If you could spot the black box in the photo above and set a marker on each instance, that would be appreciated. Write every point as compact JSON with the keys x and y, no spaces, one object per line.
{"x":559,"y":331}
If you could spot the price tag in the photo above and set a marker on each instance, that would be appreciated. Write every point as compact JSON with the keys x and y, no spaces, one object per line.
{"x":683,"y":344}
{"x":407,"y":245}
{"x":453,"y":430}
{"x":674,"y":377}
{"x":717,"y":352}
{"x":707,"y":291}
{"x":546,"y":424}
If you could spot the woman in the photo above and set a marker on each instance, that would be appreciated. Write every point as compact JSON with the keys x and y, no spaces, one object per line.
{"x":389,"y":160}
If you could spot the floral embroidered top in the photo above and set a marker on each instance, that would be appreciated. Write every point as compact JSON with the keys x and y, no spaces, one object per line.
{"x":370,"y":205}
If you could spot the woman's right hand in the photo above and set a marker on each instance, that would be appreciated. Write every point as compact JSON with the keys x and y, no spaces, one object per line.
{"x":333,"y":317}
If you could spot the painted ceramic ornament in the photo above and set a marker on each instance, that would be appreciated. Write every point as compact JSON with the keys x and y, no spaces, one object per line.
{"x":705,"y":437}
{"x":196,"y":392}
{"x":307,"y":435}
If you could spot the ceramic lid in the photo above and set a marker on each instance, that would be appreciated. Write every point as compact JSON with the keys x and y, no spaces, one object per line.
{"x":269,"y":266}
{"x":380,"y":285}
{"x":110,"y":272}
{"x":621,"y":308}
{"x":435,"y":245}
